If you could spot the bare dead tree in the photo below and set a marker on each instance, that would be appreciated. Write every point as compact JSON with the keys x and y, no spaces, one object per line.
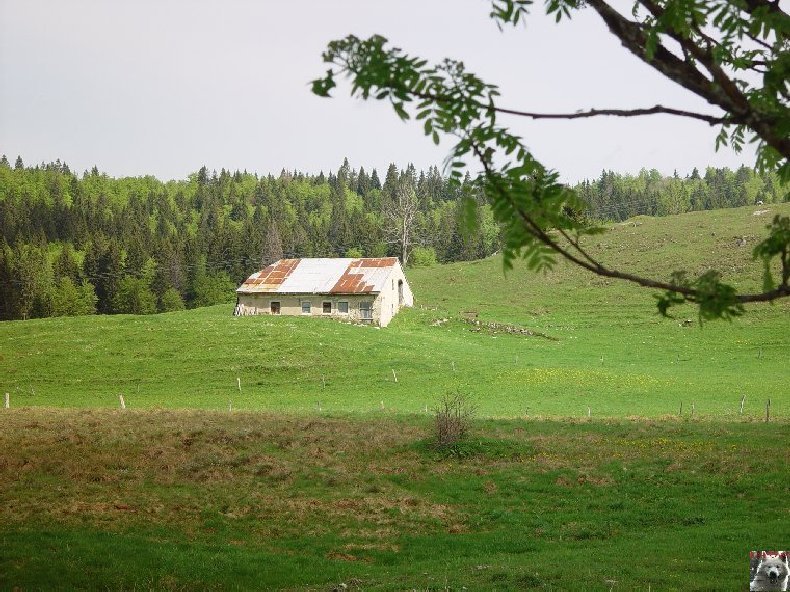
{"x":400,"y":216}
{"x":272,"y":249}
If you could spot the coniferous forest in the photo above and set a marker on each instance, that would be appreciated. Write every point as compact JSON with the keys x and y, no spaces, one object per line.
{"x":83,"y":244}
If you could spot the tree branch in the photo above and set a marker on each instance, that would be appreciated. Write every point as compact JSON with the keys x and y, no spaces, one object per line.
{"x":597,"y":268}
{"x":751,"y":6}
{"x":655,"y":110}
{"x":579,"y":248}
{"x":759,"y":41}
{"x":705,"y":57}
{"x":634,"y":38}
{"x":658,"y":109}
{"x":721,"y":92}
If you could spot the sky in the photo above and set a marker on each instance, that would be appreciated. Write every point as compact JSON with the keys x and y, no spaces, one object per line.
{"x":162,"y":87}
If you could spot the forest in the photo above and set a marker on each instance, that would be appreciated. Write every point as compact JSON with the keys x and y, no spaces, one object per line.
{"x":85,"y":244}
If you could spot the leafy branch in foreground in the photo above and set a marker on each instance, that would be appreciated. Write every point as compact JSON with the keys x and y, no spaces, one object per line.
{"x":718,"y":40}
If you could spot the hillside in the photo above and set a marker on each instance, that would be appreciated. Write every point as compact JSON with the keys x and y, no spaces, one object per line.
{"x":607,"y":349}
{"x":324,"y":476}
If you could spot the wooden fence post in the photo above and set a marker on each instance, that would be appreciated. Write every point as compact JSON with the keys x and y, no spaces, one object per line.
{"x":7,"y":401}
{"x":123,"y":403}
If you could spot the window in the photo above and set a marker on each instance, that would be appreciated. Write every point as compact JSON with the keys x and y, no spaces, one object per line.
{"x":327,"y":308}
{"x":366,"y":311}
{"x":274,"y":307}
{"x":306,"y":307}
{"x":342,"y":307}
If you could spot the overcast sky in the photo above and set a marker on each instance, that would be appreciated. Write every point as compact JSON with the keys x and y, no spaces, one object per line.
{"x":163,"y":86}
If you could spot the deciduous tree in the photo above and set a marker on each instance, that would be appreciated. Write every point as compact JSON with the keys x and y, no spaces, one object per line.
{"x":732,"y":53}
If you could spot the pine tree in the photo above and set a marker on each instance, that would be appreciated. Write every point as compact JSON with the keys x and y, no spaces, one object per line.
{"x":344,"y":173}
{"x":7,"y":286}
{"x":66,"y":265}
{"x":374,"y":180}
{"x":32,"y":275}
{"x":391,"y":181}
{"x":363,"y":183}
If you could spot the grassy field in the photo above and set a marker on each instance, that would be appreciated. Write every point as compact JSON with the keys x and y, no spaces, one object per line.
{"x":210,"y":500}
{"x":607,"y":349}
{"x":324,"y":474}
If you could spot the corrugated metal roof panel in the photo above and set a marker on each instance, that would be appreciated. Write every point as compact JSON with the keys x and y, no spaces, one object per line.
{"x":314,"y":275}
{"x":322,"y":276}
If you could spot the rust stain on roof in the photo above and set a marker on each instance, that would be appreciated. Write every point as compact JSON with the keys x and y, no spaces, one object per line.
{"x":375,"y":262}
{"x":354,"y":283}
{"x":271,"y":277}
{"x":324,"y":276}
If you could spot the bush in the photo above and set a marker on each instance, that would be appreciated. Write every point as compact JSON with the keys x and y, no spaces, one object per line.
{"x":422,"y":257}
{"x":134,"y":296}
{"x":171,"y":300}
{"x":213,"y":288}
{"x":453,"y":418}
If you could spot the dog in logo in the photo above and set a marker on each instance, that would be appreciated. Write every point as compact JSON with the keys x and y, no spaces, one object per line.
{"x":771,"y":572}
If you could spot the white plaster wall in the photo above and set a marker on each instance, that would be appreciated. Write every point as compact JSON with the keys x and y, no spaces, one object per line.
{"x":385,"y":305}
{"x":291,"y":305}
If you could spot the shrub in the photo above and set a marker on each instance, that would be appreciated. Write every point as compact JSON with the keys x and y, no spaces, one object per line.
{"x":171,"y":300}
{"x":213,"y":288}
{"x":422,"y":257}
{"x":134,"y":296}
{"x":69,"y":299}
{"x":354,"y":253}
{"x":453,"y":418}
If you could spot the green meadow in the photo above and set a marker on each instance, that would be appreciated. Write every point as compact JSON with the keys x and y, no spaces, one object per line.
{"x":594,"y":344}
{"x":295,"y":453}
{"x":203,"y":500}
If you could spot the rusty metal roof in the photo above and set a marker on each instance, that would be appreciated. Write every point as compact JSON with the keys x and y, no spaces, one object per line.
{"x":322,"y":276}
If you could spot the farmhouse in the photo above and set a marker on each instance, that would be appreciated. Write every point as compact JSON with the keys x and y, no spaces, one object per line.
{"x":368,"y":290}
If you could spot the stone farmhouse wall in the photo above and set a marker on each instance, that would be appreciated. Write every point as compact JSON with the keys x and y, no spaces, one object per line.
{"x":374,"y":308}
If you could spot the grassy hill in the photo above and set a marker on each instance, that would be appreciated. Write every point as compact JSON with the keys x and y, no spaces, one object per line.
{"x":324,"y":476}
{"x":600,"y":346}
